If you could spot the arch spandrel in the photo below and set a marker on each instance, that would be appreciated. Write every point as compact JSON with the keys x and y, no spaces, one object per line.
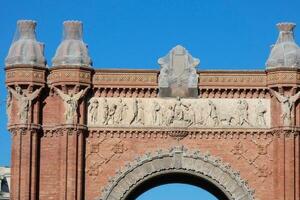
{"x":177,"y":160}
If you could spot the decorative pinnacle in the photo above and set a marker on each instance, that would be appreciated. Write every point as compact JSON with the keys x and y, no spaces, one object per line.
{"x":72,"y":29}
{"x":286,"y":26}
{"x":26,"y":28}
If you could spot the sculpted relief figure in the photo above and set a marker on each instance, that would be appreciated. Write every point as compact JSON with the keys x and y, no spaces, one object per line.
{"x":24,"y":102}
{"x":213,"y":114}
{"x":105,"y":108}
{"x":70,"y":103}
{"x":8,"y":105}
{"x":287,"y":105}
{"x":190,"y":116}
{"x":242,"y":113}
{"x":179,"y":108}
{"x":141,"y":115}
{"x":156,"y":114}
{"x":260,"y":114}
{"x":120,"y":114}
{"x":93,"y":110}
{"x":111,"y":114}
{"x":177,"y":112}
{"x":138,"y":113}
{"x":169,"y":115}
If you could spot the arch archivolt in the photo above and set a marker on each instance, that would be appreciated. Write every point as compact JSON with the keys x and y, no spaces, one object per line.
{"x":177,"y":159}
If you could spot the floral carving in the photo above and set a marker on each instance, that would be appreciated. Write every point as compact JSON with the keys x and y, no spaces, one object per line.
{"x":258,"y":159}
{"x":96,"y":159}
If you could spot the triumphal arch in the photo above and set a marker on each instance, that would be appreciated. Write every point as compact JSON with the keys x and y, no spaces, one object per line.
{"x":103,"y":134}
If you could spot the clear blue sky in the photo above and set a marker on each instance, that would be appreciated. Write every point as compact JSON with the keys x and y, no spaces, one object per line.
{"x":224,"y":34}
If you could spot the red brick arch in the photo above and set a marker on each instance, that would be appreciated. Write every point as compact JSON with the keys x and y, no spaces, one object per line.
{"x":178,"y":160}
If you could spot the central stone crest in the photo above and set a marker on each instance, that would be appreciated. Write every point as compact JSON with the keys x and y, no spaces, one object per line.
{"x":178,"y":76}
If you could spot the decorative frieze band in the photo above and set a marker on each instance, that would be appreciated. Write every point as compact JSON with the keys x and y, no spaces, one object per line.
{"x":179,"y":134}
{"x":125,"y":79}
{"x":240,"y":80}
{"x":171,"y":112}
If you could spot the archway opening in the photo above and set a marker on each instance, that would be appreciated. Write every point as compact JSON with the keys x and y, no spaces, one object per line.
{"x":177,"y":191}
{"x":177,"y":178}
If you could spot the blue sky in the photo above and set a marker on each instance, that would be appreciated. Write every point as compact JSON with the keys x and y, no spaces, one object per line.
{"x":176,"y":191}
{"x":224,"y":34}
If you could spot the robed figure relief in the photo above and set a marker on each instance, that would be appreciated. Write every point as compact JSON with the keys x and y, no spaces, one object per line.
{"x":70,"y":103}
{"x":287,"y":106}
{"x":24,"y":102}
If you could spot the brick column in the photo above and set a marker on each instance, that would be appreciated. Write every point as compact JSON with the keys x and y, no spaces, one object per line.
{"x":25,"y":144}
{"x":286,"y":146}
{"x":73,"y":134}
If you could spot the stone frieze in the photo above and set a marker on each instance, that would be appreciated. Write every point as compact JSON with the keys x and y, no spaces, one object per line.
{"x":176,"y":112}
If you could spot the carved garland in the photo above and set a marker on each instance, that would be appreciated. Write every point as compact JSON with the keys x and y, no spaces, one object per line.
{"x":178,"y":158}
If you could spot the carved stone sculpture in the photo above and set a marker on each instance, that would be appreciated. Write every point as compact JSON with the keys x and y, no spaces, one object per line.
{"x":111,"y":114}
{"x":93,"y":109}
{"x":72,"y":50}
{"x":156,"y":114}
{"x":189,"y":115}
{"x":119,"y":114}
{"x":260,"y":114}
{"x":24,"y":102}
{"x":8,"y":105}
{"x":213,"y":114}
{"x":135,"y":111}
{"x":141,"y":114}
{"x":178,"y":75}
{"x":285,"y":53}
{"x":242,"y":113}
{"x":169,"y":115}
{"x":25,"y":49}
{"x":181,"y":112}
{"x":287,"y":105}
{"x":71,"y":104}
{"x":105,"y":111}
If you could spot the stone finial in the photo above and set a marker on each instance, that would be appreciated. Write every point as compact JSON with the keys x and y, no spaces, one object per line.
{"x":285,"y":53}
{"x":72,"y":50}
{"x":25,"y":49}
{"x":178,"y":75}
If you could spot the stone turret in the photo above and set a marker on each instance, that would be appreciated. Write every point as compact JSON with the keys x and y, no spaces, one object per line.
{"x":25,"y":81}
{"x":72,"y":50}
{"x":25,"y":49}
{"x":285,"y":53}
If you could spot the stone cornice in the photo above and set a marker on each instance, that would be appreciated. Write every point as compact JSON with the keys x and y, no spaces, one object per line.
{"x":194,"y":133}
{"x":177,"y":133}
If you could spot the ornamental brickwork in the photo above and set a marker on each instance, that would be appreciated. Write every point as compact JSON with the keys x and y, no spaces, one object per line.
{"x":84,"y":133}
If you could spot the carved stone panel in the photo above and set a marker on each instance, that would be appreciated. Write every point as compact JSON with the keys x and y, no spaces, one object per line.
{"x":202,"y":113}
{"x":178,"y":75}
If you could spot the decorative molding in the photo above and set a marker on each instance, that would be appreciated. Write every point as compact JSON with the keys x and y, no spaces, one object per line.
{"x":139,"y":92}
{"x":283,"y":77}
{"x":60,"y":130}
{"x":194,"y":133}
{"x":221,"y":92}
{"x":24,"y":129}
{"x":125,"y":79}
{"x":239,"y":80}
{"x":74,"y":75}
{"x":25,"y":75}
{"x":201,"y":164}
